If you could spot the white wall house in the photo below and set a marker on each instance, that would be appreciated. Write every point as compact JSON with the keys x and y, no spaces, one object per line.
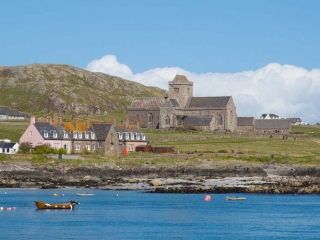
{"x":8,"y":147}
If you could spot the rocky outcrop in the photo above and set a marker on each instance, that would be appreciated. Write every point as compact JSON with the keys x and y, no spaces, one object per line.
{"x":222,"y":178}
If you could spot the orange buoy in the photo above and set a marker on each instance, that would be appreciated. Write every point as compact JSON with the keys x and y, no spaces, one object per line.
{"x":207,"y":198}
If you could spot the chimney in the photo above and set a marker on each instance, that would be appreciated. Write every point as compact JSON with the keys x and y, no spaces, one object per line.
{"x":50,"y":120}
{"x":138,"y":125}
{"x":59,"y":119}
{"x":32,"y":120}
{"x":125,"y":124}
{"x":74,"y":121}
{"x":114,"y":123}
{"x":86,"y":120}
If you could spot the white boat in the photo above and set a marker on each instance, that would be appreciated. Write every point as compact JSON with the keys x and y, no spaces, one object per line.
{"x":235,"y":198}
{"x":85,"y":194}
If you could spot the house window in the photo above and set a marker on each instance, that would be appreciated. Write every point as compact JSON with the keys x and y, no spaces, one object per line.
{"x":86,"y":135}
{"x":137,"y":136}
{"x":55,"y":135}
{"x":80,"y":134}
{"x":65,"y":134}
{"x":150,"y":118}
{"x":176,"y":90}
{"x":39,"y":143}
{"x":66,"y":146}
{"x":132,"y":136}
{"x":127,"y":137}
{"x":120,"y":136}
{"x":99,"y":144}
{"x":75,"y":135}
{"x":77,"y":146}
{"x":45,"y":134}
{"x":167,"y":120}
{"x":131,"y":147}
{"x":92,"y":135}
{"x":143,"y":137}
{"x":88,"y":147}
{"x":220,"y":119}
{"x":30,"y":133}
{"x":56,"y":145}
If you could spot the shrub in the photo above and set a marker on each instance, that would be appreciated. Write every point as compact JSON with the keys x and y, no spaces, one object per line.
{"x":42,"y":149}
{"x":222,"y":151}
{"x":25,"y":147}
{"x":62,"y":151}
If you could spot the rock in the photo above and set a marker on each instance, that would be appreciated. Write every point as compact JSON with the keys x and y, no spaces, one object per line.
{"x":86,"y":178}
{"x":156,"y":182}
{"x":170,"y":181}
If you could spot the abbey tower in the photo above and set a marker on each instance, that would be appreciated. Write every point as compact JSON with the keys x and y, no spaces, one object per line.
{"x":180,"y":89}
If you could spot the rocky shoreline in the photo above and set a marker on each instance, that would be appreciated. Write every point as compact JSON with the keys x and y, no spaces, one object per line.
{"x":227,"y":177}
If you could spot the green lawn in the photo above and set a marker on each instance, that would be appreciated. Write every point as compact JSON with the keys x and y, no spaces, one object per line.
{"x":197,"y":146}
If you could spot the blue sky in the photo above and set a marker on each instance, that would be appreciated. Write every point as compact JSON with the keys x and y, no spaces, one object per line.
{"x":192,"y":37}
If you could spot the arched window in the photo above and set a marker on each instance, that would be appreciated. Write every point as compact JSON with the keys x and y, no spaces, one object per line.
{"x":220,"y":119}
{"x":167,"y":120}
{"x":150,"y":118}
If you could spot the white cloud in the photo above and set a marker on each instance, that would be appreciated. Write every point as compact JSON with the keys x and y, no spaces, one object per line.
{"x":281,"y":89}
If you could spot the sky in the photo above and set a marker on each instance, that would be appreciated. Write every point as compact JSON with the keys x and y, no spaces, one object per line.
{"x":265,"y":54}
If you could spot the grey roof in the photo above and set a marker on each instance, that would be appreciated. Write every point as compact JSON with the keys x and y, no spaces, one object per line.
{"x":271,"y":115}
{"x":11,"y":112}
{"x":43,"y":127}
{"x":174,"y":102}
{"x":2,"y":143}
{"x":180,"y":78}
{"x":197,"y":120}
{"x":101,"y":130}
{"x":209,"y":101}
{"x":9,"y":145}
{"x":272,"y":124}
{"x":245,"y":121}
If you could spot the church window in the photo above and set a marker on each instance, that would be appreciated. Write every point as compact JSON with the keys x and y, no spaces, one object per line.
{"x":176,"y":90}
{"x":150,"y":118}
{"x":220,"y":119}
{"x":167,"y":120}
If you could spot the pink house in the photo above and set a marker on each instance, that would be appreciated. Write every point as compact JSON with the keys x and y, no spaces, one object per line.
{"x":40,"y":133}
{"x":74,"y":136}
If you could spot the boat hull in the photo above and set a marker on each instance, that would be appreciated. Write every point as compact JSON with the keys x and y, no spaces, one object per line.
{"x":43,"y":205}
{"x":85,"y":194}
{"x":235,"y":198}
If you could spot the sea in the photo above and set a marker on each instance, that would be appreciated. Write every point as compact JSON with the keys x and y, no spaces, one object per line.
{"x":113,"y":214}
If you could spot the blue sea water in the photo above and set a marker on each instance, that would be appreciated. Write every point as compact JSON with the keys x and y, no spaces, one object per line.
{"x":140,"y":215}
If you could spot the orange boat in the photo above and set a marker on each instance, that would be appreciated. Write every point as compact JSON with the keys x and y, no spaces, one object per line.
{"x":43,"y":205}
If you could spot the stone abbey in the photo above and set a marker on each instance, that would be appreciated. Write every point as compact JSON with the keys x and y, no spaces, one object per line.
{"x":181,"y":108}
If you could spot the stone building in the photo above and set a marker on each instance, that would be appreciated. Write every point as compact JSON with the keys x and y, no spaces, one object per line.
{"x":181,"y":108}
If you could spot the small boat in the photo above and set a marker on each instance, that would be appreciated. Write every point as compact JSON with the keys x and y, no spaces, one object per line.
{"x":235,"y":198}
{"x":43,"y":205}
{"x":85,"y":194}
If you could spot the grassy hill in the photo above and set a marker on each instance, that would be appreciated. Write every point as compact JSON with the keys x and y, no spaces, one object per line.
{"x":41,"y":89}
